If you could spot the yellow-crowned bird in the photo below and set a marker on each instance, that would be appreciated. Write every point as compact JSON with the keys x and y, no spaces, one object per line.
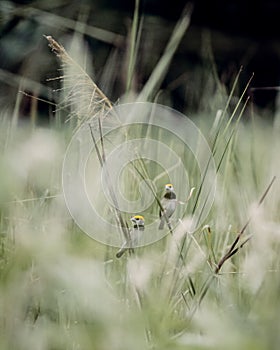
{"x":134,"y":234}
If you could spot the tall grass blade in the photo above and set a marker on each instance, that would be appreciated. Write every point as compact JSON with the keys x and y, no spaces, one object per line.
{"x":151,"y":87}
{"x":134,"y":44}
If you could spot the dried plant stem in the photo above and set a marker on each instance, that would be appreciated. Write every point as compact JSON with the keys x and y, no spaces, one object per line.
{"x":87,"y":100}
{"x":233,"y":249}
{"x":81,"y":95}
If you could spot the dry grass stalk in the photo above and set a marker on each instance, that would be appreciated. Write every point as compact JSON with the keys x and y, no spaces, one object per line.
{"x":81,"y":95}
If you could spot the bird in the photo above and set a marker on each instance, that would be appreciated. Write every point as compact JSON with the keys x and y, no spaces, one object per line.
{"x":168,"y":204}
{"x":134,"y":234}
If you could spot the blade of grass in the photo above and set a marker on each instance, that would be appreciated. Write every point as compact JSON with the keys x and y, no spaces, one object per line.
{"x":222,"y":117}
{"x":151,"y":87}
{"x":229,"y":253}
{"x":134,"y":44}
{"x":232,"y":251}
{"x":238,"y":104}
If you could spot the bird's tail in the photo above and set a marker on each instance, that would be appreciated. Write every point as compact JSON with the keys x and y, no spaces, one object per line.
{"x":121,"y":252}
{"x":161,"y":224}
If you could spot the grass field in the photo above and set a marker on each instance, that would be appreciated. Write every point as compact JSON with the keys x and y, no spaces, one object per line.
{"x":60,"y":289}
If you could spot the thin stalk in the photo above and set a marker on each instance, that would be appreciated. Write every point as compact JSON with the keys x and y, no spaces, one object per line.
{"x":134,"y":44}
{"x":238,"y":104}
{"x":214,"y":146}
{"x":232,"y":250}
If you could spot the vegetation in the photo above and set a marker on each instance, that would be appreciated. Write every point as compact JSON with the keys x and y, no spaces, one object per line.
{"x":214,"y":288}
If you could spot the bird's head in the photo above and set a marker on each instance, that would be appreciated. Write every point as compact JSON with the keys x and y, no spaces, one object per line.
{"x":138,"y":220}
{"x":169,"y":188}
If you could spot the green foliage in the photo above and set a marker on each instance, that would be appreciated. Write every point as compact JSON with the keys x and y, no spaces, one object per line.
{"x":60,"y":289}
